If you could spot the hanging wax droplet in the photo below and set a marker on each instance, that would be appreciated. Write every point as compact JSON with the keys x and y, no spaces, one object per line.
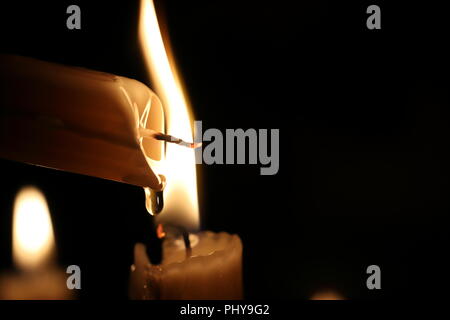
{"x":154,"y":199}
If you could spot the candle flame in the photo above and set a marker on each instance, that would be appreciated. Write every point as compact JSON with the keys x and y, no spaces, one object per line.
{"x":180,"y":194}
{"x":33,"y":240}
{"x":160,"y":233}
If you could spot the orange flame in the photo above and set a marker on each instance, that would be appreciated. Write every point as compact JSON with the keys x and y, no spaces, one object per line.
{"x":33,"y":240}
{"x":181,"y":203}
{"x":160,"y":231}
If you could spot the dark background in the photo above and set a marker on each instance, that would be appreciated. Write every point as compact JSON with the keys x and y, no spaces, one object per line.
{"x":363,"y":118}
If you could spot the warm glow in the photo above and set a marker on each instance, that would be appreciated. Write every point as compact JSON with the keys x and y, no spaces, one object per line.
{"x":180,"y":195}
{"x":33,"y":241}
{"x":327,"y":295}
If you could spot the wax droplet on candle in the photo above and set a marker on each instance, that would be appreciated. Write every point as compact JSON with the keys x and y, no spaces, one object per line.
{"x":154,"y":201}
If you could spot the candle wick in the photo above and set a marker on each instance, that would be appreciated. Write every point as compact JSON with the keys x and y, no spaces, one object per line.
{"x":172,"y":139}
{"x":148,"y":133}
{"x":187,"y":244}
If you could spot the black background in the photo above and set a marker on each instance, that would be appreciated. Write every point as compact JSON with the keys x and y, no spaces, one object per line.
{"x":363,"y":118}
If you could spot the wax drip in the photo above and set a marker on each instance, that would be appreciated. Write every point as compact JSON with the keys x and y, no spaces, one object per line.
{"x":154,"y":199}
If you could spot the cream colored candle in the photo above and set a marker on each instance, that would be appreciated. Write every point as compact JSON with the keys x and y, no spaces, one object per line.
{"x":79,"y":120}
{"x":37,"y":276}
{"x":213,"y":271}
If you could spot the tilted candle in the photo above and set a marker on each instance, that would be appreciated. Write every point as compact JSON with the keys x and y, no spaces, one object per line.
{"x":79,"y":120}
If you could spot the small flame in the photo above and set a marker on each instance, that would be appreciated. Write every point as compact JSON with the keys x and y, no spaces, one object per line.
{"x":160,"y":231}
{"x":33,"y":240}
{"x":180,"y":203}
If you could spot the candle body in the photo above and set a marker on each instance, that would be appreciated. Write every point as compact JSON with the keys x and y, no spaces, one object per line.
{"x":78,"y":120}
{"x":213,"y":271}
{"x":48,"y":284}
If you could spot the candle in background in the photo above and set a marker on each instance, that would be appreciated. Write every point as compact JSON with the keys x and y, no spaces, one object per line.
{"x":327,"y":295}
{"x":38,"y":277}
{"x":206,"y":265}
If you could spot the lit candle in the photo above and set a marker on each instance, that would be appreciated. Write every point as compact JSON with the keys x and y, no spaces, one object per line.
{"x":33,"y":252}
{"x":212,"y":271}
{"x":202,"y":266}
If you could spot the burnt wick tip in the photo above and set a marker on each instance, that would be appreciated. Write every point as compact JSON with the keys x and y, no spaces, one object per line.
{"x":187,"y":244}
